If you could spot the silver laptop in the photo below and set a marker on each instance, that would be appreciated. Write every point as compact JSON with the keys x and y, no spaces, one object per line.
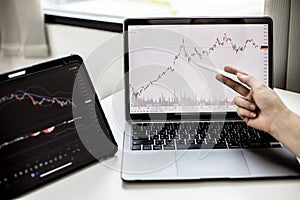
{"x":181,"y":122}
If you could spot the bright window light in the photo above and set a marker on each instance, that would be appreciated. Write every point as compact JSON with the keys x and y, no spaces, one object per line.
{"x":117,"y":10}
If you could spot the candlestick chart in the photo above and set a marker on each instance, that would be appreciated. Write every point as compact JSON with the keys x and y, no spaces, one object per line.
{"x":35,"y":110}
{"x":35,"y":99}
{"x":53,"y":131}
{"x":170,"y":80}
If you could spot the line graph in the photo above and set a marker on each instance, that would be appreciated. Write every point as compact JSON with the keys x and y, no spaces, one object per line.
{"x":183,"y":52}
{"x":45,"y":90}
{"x":36,"y":99}
{"x":225,"y":39}
{"x":46,"y":131}
{"x":139,"y":91}
{"x":164,"y":63}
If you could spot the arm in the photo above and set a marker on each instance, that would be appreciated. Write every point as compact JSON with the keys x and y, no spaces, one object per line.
{"x":286,"y":129}
{"x":261,"y":108}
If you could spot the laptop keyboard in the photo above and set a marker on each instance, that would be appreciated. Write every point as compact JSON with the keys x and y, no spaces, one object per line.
{"x":199,"y":135}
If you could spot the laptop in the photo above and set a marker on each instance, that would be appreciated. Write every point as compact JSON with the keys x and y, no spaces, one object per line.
{"x":52,"y":124}
{"x":181,"y":123}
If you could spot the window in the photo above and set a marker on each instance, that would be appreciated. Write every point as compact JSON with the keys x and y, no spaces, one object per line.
{"x":116,"y":10}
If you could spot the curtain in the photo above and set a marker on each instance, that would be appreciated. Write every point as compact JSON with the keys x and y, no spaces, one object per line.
{"x":286,"y":21}
{"x":22,"y":29}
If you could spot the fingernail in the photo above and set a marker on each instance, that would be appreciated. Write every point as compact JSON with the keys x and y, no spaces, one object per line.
{"x":219,"y":77}
{"x":252,"y":107}
{"x":253,"y":114}
{"x":240,"y":75}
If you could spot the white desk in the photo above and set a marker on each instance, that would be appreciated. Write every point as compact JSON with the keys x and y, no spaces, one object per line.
{"x":102,"y":180}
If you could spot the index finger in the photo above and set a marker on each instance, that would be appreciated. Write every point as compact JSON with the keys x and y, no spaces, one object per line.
{"x":233,"y":70}
{"x":233,"y":85}
{"x":249,"y":80}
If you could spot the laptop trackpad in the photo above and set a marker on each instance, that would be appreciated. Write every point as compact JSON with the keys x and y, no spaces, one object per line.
{"x":211,"y":163}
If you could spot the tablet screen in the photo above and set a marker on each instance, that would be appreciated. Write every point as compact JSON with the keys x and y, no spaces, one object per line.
{"x":51,"y":124}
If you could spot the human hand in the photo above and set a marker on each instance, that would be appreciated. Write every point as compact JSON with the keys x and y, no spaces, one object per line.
{"x":259,"y":105}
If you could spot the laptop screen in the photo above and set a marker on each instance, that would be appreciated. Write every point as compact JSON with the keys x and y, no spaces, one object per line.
{"x":163,"y":77}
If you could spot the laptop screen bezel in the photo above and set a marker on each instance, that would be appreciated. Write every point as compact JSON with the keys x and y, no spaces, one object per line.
{"x":189,"y":21}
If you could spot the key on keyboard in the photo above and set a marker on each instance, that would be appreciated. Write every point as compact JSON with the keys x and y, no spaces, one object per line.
{"x":199,"y":135}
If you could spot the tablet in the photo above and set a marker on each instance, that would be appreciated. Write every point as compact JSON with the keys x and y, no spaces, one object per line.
{"x":51,"y":124}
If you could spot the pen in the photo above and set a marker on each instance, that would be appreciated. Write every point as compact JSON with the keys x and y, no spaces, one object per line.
{"x":218,"y":71}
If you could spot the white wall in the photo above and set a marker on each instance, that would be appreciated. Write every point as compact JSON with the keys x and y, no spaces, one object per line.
{"x":64,"y":40}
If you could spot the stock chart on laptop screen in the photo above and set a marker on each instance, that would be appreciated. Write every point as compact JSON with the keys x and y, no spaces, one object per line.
{"x":163,"y":78}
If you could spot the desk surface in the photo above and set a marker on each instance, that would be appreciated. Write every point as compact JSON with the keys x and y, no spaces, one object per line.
{"x":102,"y":180}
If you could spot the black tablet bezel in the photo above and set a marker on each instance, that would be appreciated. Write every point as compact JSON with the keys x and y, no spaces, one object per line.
{"x":47,"y":66}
